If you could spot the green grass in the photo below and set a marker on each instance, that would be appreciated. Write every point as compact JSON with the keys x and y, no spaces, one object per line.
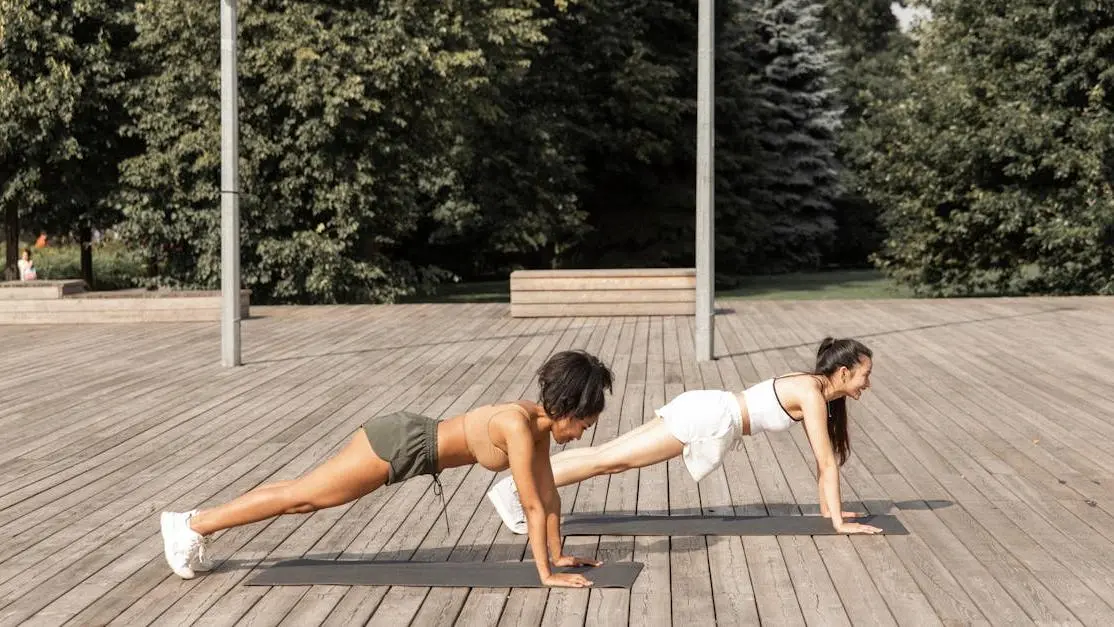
{"x":477,"y":292}
{"x":835,"y":284}
{"x":839,"y":284}
{"x":114,"y":265}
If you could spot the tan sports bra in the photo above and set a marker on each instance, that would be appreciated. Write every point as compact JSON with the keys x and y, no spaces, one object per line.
{"x":477,"y":435}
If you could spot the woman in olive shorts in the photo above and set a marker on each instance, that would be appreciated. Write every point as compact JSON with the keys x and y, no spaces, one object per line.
{"x":395,"y":447}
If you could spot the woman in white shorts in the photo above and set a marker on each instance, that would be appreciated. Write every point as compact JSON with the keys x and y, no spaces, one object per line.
{"x":702,"y":425}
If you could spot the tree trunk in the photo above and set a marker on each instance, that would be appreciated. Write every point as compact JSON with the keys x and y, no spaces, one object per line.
{"x":86,"y":238}
{"x":11,"y":229}
{"x":152,"y":270}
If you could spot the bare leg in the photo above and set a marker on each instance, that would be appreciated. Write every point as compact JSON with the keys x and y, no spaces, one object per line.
{"x":350,"y":474}
{"x":643,"y":446}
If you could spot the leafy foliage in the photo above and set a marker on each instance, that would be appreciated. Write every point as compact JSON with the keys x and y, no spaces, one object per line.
{"x":870,"y":47}
{"x":995,"y":164}
{"x":392,"y":145}
{"x":63,"y":65}
{"x":349,"y":126}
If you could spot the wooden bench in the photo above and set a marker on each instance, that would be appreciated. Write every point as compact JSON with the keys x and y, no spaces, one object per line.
{"x":66,"y":302}
{"x":38,"y":290}
{"x":605,"y":292}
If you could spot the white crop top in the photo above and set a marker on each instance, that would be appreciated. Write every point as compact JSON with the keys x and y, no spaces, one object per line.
{"x":765,"y":409}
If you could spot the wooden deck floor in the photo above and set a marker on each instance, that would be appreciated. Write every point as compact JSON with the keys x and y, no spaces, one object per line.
{"x":988,"y":432}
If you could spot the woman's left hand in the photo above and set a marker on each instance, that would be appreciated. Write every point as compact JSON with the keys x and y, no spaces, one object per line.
{"x":572,"y":560}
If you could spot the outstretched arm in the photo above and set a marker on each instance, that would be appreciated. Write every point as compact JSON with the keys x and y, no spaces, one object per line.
{"x":831,"y":503}
{"x":528,"y":462}
{"x":824,"y":504}
{"x":552,"y":501}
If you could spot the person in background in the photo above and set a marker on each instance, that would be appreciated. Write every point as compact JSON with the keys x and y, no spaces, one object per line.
{"x":26,"y":266}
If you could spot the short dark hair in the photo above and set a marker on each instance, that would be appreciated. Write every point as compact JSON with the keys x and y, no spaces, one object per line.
{"x":572,"y":384}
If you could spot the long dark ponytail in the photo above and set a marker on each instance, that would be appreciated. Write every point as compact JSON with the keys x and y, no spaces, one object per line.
{"x":831,"y":355}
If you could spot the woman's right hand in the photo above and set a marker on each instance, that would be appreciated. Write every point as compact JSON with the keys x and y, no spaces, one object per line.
{"x":853,"y":527}
{"x":566,"y":580}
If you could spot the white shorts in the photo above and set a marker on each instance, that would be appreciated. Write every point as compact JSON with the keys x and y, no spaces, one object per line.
{"x":708,"y":423}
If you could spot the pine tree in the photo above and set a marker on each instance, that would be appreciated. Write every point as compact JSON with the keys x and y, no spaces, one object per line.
{"x":775,"y":193}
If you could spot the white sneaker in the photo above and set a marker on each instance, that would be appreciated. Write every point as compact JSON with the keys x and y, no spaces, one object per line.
{"x":180,"y":543}
{"x":504,"y":496}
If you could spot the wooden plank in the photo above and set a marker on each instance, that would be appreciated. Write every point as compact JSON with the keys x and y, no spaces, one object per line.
{"x":460,"y":495}
{"x":75,"y":383}
{"x":651,"y":597}
{"x":1075,"y":554}
{"x":1004,"y":529}
{"x":664,"y":283}
{"x":693,"y":559}
{"x":604,"y":272}
{"x":232,"y":473}
{"x":118,"y":461}
{"x":116,"y":431}
{"x":77,"y":423}
{"x":604,"y":309}
{"x":410,"y":497}
{"x":992,"y":552}
{"x":311,"y":419}
{"x":775,"y":592}
{"x":603,"y":296}
{"x":612,"y":606}
{"x":734,"y":594}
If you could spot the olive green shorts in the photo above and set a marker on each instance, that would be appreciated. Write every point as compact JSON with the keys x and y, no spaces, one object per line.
{"x":408,"y":442}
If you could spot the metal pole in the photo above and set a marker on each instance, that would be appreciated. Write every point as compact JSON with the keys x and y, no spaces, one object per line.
{"x":705,"y":189}
{"x":229,"y":189}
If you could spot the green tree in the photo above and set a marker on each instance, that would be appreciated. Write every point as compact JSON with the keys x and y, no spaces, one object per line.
{"x":518,"y":174}
{"x":576,"y":165}
{"x":861,"y":28}
{"x":995,"y":164}
{"x":633,"y":125}
{"x":350,"y":131}
{"x":62,"y":68}
{"x":870,"y":47}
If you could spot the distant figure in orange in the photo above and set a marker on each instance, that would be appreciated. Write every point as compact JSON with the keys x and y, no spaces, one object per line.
{"x":41,"y":242}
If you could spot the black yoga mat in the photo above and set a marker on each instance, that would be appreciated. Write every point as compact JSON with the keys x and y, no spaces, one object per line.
{"x":305,"y":572}
{"x":633,"y":525}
